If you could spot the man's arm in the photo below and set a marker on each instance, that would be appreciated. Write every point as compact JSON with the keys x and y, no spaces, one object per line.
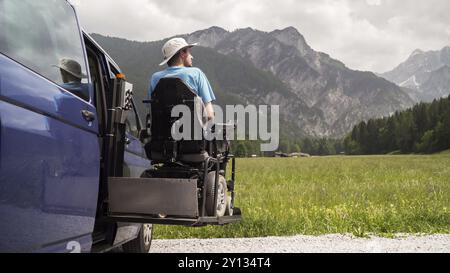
{"x":206,"y":93}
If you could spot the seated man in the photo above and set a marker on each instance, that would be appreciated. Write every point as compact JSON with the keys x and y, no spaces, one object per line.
{"x":72,"y":76}
{"x":177,"y":55}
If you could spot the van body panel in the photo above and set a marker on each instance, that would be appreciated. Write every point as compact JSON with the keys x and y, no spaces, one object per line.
{"x":135,"y":160}
{"x":49,"y":163}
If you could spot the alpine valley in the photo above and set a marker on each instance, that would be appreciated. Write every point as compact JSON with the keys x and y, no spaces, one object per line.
{"x":318,"y":95}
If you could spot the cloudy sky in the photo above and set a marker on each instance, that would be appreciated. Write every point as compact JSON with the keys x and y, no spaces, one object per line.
{"x":373,"y":35}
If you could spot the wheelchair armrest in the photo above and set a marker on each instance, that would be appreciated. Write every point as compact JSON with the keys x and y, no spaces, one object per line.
{"x":226,"y":125}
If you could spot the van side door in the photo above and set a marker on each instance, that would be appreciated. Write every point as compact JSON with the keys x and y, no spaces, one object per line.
{"x":135,"y":159}
{"x":49,"y":150}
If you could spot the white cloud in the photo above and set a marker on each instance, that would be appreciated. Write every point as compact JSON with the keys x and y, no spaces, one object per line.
{"x":367,"y":35}
{"x":373,"y":2}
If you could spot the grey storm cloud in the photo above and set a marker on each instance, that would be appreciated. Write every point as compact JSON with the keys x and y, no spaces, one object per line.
{"x":373,"y":35}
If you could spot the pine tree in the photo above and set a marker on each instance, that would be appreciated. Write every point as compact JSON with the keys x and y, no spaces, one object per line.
{"x":372,"y":142}
{"x":443,"y":132}
{"x":403,"y":132}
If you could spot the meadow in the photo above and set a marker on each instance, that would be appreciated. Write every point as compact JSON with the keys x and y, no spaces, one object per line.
{"x":361,"y":195}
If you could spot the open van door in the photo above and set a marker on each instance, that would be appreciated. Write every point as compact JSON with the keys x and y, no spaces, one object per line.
{"x":49,"y":154}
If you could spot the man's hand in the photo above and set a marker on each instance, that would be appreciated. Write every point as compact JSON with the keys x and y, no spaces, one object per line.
{"x":209,"y":111}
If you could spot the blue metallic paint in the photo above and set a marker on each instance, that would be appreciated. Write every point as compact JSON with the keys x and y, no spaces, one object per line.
{"x":28,"y":89}
{"x":135,"y":159}
{"x":49,"y":165}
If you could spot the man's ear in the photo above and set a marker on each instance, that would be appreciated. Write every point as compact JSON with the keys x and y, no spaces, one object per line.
{"x":183,"y":54}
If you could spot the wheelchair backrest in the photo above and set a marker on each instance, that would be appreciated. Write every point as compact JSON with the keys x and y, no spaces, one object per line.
{"x":170,"y":92}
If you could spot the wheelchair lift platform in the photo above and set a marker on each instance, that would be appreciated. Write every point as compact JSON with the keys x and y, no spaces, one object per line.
{"x":164,"y":201}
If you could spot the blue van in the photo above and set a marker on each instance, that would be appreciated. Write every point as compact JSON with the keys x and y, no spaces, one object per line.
{"x":56,"y":88}
{"x":74,"y":169}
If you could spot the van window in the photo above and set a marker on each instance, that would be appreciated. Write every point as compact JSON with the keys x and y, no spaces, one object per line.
{"x":44,"y":36}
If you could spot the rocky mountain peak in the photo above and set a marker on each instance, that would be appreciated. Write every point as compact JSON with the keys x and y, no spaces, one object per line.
{"x":289,"y":30}
{"x":416,"y":52}
{"x":247,"y":31}
{"x":446,"y":49}
{"x":292,"y":37}
{"x":216,"y":29}
{"x":208,"y":37}
{"x":425,"y":72}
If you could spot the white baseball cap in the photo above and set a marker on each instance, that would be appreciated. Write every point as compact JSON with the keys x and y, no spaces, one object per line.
{"x":172,"y":47}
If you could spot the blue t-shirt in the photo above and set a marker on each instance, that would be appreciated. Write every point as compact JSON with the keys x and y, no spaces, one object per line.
{"x":191,"y":76}
{"x":79,"y":89}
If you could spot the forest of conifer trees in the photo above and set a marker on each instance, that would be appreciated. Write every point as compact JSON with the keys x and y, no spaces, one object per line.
{"x":425,"y":128}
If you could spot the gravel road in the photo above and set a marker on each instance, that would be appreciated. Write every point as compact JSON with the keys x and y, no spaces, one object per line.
{"x":335,"y":243}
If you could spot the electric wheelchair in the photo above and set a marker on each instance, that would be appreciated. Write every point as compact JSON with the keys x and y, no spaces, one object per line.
{"x":194,"y":159}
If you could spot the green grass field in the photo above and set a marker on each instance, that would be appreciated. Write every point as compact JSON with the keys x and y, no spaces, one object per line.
{"x":361,"y":195}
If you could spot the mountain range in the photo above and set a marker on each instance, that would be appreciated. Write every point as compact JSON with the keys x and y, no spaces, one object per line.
{"x":424,"y":75}
{"x":318,"y":95}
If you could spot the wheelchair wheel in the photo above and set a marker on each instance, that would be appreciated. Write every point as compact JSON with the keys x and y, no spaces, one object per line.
{"x":221,"y":204}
